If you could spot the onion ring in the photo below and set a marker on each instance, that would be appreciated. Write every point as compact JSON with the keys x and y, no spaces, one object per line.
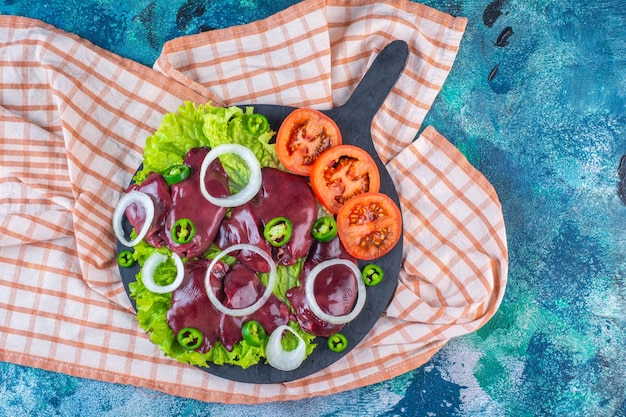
{"x":281,"y":359}
{"x":249,"y":191}
{"x":271,"y":282}
{"x":310,"y":292}
{"x":150,"y":266}
{"x":125,"y":202}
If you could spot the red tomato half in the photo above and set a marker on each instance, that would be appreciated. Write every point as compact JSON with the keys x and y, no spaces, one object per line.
{"x":302,"y":137}
{"x":341,"y":173}
{"x":369,"y":225}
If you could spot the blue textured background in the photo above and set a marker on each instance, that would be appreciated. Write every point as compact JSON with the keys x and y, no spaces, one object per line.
{"x":548,"y":131}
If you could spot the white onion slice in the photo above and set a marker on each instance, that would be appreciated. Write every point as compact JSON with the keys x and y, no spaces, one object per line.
{"x":249,"y":191}
{"x":310,"y":292}
{"x":271,"y":282}
{"x":281,"y":359}
{"x":125,"y":202}
{"x":150,"y":266}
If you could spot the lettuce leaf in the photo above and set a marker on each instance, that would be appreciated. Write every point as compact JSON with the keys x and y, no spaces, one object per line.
{"x":287,"y":277}
{"x":178,"y":133}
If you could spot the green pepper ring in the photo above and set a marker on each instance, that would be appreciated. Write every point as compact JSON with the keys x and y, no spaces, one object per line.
{"x":257,"y":123}
{"x":283,"y":232}
{"x":125,"y":258}
{"x":372,"y":275}
{"x":253,"y":333}
{"x":337,"y":342}
{"x":183,"y":231}
{"x":324,"y":229}
{"x":176,"y":173}
{"x":189,"y":338}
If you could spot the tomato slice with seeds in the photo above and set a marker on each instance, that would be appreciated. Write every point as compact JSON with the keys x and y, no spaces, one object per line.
{"x":369,"y":225}
{"x":341,"y":173}
{"x":302,"y":137}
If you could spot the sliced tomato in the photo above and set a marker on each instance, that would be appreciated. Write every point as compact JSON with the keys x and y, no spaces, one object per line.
{"x":302,"y":137}
{"x":369,"y":225}
{"x":341,"y":173}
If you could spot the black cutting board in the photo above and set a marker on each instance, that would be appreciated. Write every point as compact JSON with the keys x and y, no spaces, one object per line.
{"x":354,"y":119}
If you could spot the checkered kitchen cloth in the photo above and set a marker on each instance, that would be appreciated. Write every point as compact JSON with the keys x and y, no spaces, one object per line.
{"x":73,"y":122}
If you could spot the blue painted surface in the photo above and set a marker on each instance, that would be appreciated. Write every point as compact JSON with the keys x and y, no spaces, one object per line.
{"x":548,"y":131}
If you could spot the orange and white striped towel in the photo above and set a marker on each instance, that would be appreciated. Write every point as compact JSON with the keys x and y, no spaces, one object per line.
{"x":73,"y":122}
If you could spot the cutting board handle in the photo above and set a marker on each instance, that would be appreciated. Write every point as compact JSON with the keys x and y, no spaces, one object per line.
{"x":375,"y":85}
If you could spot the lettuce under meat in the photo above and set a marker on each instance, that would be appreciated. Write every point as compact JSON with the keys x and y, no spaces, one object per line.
{"x":194,"y":126}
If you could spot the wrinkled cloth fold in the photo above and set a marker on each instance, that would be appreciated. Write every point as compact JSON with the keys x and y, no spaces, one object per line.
{"x":73,"y":122}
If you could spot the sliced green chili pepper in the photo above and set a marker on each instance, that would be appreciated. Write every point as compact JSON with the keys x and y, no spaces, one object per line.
{"x":372,"y":275}
{"x":324,"y":229}
{"x":183,"y":231}
{"x":190,"y":338}
{"x":278,"y":231}
{"x":257,"y":123}
{"x":176,"y":173}
{"x":125,"y":258}
{"x":253,"y":333}
{"x":337,"y":342}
